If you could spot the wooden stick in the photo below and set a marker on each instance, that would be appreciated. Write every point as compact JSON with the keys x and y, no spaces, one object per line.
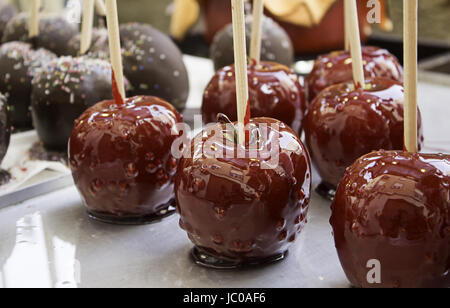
{"x":86,"y":27}
{"x":346,"y":26}
{"x":355,"y":44}
{"x":114,"y":45}
{"x":240,"y":56}
{"x":100,"y":7}
{"x":410,"y":8}
{"x":34,"y":18}
{"x":255,"y":46}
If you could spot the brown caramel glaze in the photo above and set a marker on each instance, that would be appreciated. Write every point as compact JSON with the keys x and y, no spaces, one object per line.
{"x":274,"y":91}
{"x":343,"y":124}
{"x":19,"y":63}
{"x":395,"y":207}
{"x":336,"y":67}
{"x":121,"y":159}
{"x":233,"y":208}
{"x":54,"y":31}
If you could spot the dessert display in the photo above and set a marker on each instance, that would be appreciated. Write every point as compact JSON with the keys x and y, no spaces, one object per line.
{"x":7,"y":11}
{"x":243,"y":209}
{"x":121,"y":162}
{"x":153,"y":64}
{"x":120,"y":150}
{"x":5,"y":134}
{"x":346,"y":122}
{"x":19,"y":63}
{"x":336,"y":67}
{"x":391,"y":212}
{"x":277,"y":46}
{"x":54,"y":32}
{"x":62,"y":91}
{"x":394,"y":207}
{"x":274,"y":91}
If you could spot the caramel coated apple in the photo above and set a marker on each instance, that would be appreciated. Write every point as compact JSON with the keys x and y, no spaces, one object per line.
{"x":391,"y":221}
{"x":344,"y":123}
{"x":274,"y":92}
{"x":240,"y":211}
{"x":121,"y":159}
{"x":336,"y":67}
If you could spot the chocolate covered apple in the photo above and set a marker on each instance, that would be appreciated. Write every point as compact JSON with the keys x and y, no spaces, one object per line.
{"x":5,"y":134}
{"x":336,"y":67}
{"x":62,"y":91}
{"x":345,"y":122}
{"x":276,"y":44}
{"x":54,"y":32}
{"x":121,"y":161}
{"x":7,"y":12}
{"x":99,"y":44}
{"x":394,"y":208}
{"x":274,"y":91}
{"x":19,"y":63}
{"x":243,"y":211}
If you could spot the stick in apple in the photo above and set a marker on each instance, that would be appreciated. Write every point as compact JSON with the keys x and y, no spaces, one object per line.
{"x":86,"y":27}
{"x":115,"y":51}
{"x":355,"y":44}
{"x":240,"y":58}
{"x":410,"y":55}
{"x":34,"y":18}
{"x":255,"y":46}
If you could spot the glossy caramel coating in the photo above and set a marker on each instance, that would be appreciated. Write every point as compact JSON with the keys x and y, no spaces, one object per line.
{"x":121,"y":159}
{"x":274,"y":91}
{"x":344,"y":123}
{"x":394,"y":207}
{"x":336,"y":67}
{"x":238,"y":210}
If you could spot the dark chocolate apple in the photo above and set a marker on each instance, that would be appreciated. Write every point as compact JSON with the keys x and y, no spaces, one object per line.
{"x":276,"y":44}
{"x":344,"y":123}
{"x":19,"y":63}
{"x":5,"y":135}
{"x":62,"y":91}
{"x":274,"y":91}
{"x":54,"y":32}
{"x":153,"y":64}
{"x":391,"y":221}
{"x":121,"y":160}
{"x":7,"y":11}
{"x":336,"y":67}
{"x":99,"y":43}
{"x":242,"y":211}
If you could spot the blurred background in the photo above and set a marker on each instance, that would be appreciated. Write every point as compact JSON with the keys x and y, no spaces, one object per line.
{"x":196,"y":21}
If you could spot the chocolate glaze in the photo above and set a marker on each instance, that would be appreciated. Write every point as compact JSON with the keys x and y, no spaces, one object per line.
{"x":394,"y":207}
{"x":153,"y":64}
{"x":274,"y":91}
{"x":233,"y":208}
{"x":5,"y":127}
{"x":62,"y":91}
{"x":121,"y":159}
{"x":54,"y":31}
{"x":19,"y":63}
{"x":7,"y":11}
{"x":336,"y":67}
{"x":276,"y":44}
{"x":342,"y":124}
{"x":99,"y":44}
